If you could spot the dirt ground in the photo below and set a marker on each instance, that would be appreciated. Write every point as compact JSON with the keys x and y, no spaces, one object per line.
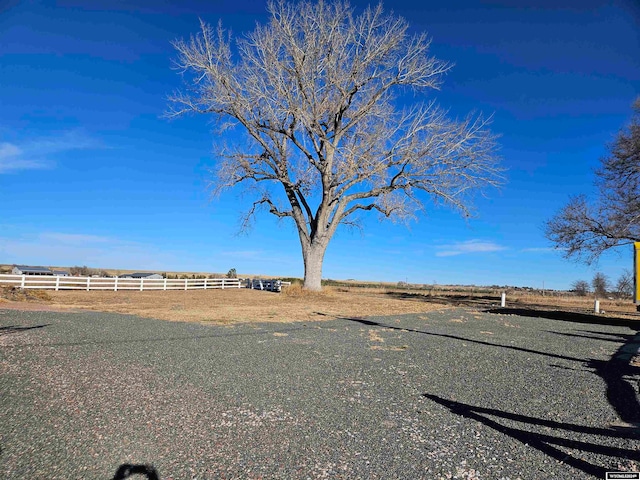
{"x":612,"y":308}
{"x":229,"y":305}
{"x":243,"y":305}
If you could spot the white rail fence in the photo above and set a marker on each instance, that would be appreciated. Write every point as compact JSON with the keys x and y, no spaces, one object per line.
{"x":51,"y":282}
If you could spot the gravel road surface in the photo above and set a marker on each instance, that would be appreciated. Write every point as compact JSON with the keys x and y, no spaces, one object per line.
{"x":448,"y":394}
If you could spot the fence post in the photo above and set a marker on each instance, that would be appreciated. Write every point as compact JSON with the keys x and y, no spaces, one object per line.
{"x":223,"y":283}
{"x":239,"y":282}
{"x":165,"y":284}
{"x":88,"y":283}
{"x":141,"y":284}
{"x":115,"y":285}
{"x":185,"y":283}
{"x":205,"y":283}
{"x":23,"y":279}
{"x":503,"y":300}
{"x":57,"y":282}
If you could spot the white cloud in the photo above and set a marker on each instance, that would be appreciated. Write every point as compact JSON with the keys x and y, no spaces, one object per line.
{"x":540,"y":250}
{"x":9,"y":150}
{"x":12,"y":158}
{"x":36,"y":153}
{"x":470,"y":246}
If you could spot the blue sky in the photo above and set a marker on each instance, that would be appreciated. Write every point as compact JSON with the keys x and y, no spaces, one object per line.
{"x":91,"y":174}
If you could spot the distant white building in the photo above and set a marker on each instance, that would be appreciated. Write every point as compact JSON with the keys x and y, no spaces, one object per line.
{"x":27,"y":270}
{"x":155,"y":276}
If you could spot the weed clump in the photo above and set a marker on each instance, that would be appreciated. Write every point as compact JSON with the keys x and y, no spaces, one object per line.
{"x":295,"y":290}
{"x":17,"y":294}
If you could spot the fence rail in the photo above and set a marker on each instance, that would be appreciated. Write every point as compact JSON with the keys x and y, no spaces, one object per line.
{"x":51,"y":282}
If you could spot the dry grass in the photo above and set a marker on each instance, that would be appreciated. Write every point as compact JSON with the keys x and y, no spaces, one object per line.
{"x":613,"y":307}
{"x":524,"y":300}
{"x":238,"y":305}
{"x":15,"y":294}
{"x":293,"y":304}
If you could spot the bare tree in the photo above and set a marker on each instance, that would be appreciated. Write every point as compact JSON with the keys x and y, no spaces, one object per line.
{"x":624,"y":285}
{"x":600,"y":284}
{"x":316,"y":93}
{"x":584,"y":230}
{"x":83,"y":271}
{"x":581,"y":288}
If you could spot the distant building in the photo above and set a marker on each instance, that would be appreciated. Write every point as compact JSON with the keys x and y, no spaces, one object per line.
{"x":27,"y":270}
{"x":155,"y":276}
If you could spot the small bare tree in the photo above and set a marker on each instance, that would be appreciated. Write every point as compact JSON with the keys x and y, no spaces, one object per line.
{"x":581,"y":287}
{"x":600,"y":284}
{"x":316,"y":92}
{"x":585,"y":230}
{"x":83,"y":271}
{"x":624,"y":285}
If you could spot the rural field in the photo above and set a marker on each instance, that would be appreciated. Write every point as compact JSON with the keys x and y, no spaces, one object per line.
{"x":294,"y":304}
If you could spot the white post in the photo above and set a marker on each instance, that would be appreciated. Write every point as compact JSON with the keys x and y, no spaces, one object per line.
{"x":141,"y":284}
{"x":23,"y":279}
{"x":503,"y":300}
{"x":185,"y":283}
{"x":88,"y":282}
{"x":205,"y":283}
{"x":115,"y":285}
{"x":57,"y":282}
{"x":596,"y":306}
{"x":239,"y":282}
{"x":223,"y":283}
{"x":165,"y":284}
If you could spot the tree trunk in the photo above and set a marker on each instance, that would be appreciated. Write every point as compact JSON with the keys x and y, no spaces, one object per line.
{"x":313,"y":256}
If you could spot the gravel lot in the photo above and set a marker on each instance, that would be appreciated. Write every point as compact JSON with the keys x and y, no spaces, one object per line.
{"x":447,"y":394}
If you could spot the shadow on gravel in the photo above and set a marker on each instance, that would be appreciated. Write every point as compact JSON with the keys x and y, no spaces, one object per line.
{"x":455,"y":300}
{"x":616,"y":339}
{"x":457,"y":337}
{"x":620,"y":336}
{"x":621,"y":394}
{"x":617,"y":374}
{"x":127,"y":470}
{"x":545,"y":443}
{"x":567,"y":317}
{"x":16,"y":328}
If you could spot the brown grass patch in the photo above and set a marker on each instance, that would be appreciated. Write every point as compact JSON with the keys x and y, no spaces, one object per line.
{"x":295,"y":290}
{"x":389,"y":349}
{"x":375,"y":336}
{"x":619,"y":308}
{"x":295,"y":304}
{"x":239,"y":305}
{"x":16,"y":294}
